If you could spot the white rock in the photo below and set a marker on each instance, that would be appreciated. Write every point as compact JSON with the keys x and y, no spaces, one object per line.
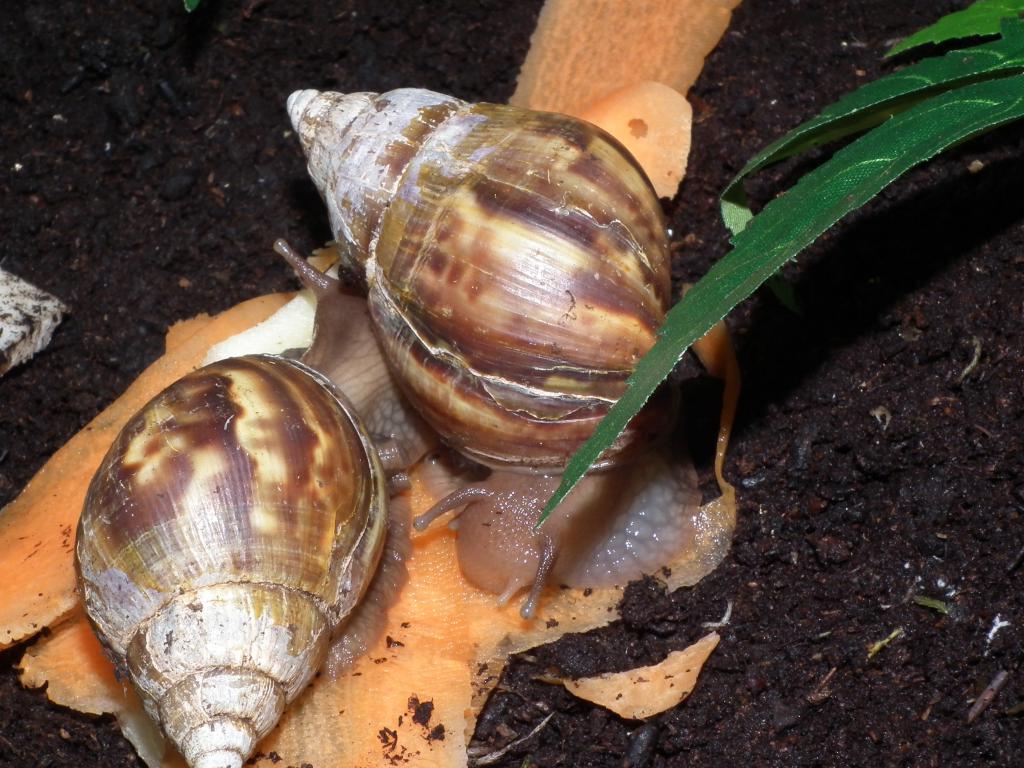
{"x":28,"y":317}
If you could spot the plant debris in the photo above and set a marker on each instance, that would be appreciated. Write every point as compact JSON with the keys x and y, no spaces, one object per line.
{"x":645,"y":691}
{"x":932,"y":603}
{"x":988,"y":695}
{"x":874,"y":648}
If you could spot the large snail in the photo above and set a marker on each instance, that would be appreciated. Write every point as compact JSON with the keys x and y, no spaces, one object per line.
{"x":517,"y":268}
{"x":228,"y":536}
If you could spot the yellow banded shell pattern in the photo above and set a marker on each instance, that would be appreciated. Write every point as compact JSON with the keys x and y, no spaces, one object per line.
{"x":229,"y":531}
{"x":516,"y":262}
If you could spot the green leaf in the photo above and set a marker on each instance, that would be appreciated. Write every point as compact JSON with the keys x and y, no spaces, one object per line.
{"x":191,"y":5}
{"x":793,"y":221}
{"x":879,"y":100}
{"x":980,"y":19}
{"x":932,"y":603}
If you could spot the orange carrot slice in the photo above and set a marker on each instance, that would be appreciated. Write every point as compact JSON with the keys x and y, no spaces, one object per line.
{"x":582,"y":50}
{"x":625,"y":67}
{"x":653,"y":122}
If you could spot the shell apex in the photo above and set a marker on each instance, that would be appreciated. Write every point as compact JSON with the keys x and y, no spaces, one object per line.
{"x":311,"y":112}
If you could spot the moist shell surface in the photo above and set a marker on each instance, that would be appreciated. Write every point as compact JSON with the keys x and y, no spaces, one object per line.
{"x":247,"y":470}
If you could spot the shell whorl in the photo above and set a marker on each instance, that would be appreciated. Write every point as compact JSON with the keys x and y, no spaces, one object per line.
{"x":358,"y":146}
{"x":517,"y":262}
{"x":230,"y":529}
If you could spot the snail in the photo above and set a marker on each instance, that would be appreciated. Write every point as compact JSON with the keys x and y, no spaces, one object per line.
{"x":229,"y":535}
{"x":516,"y":265}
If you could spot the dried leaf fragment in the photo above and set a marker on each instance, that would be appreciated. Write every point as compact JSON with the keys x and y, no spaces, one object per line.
{"x":646,"y":691}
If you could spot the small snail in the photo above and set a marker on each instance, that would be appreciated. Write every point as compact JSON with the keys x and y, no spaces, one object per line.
{"x":517,"y":268}
{"x":227,"y":538}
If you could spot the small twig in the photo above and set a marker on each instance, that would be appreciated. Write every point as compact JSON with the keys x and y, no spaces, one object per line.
{"x":8,"y":747}
{"x":493,"y":757}
{"x":986,"y":697}
{"x":252,"y":7}
{"x":876,"y":647}
{"x":1015,"y":564}
{"x":976,"y":343}
{"x":821,"y":691}
{"x":722,"y":622}
{"x":928,"y":710}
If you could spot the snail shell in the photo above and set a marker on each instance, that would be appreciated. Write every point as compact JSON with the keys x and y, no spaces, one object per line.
{"x":228,"y":533}
{"x":516,"y":262}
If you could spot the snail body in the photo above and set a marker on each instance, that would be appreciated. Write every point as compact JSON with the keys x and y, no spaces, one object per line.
{"x":516,"y":265}
{"x":615,"y":526}
{"x":229,"y":532}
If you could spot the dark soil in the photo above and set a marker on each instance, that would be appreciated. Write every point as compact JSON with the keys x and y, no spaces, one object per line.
{"x":147,"y":168}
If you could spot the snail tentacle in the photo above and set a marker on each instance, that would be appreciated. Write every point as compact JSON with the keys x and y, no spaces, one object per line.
{"x":455,"y":500}
{"x":545,"y":565}
{"x":320,"y":283}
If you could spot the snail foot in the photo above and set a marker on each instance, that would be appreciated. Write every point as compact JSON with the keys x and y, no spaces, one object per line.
{"x":499,"y":548}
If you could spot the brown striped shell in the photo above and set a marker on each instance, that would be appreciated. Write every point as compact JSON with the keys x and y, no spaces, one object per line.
{"x":516,"y":262}
{"x":229,"y":531}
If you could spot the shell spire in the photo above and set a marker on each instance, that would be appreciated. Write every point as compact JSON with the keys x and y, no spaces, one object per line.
{"x":358,"y":146}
